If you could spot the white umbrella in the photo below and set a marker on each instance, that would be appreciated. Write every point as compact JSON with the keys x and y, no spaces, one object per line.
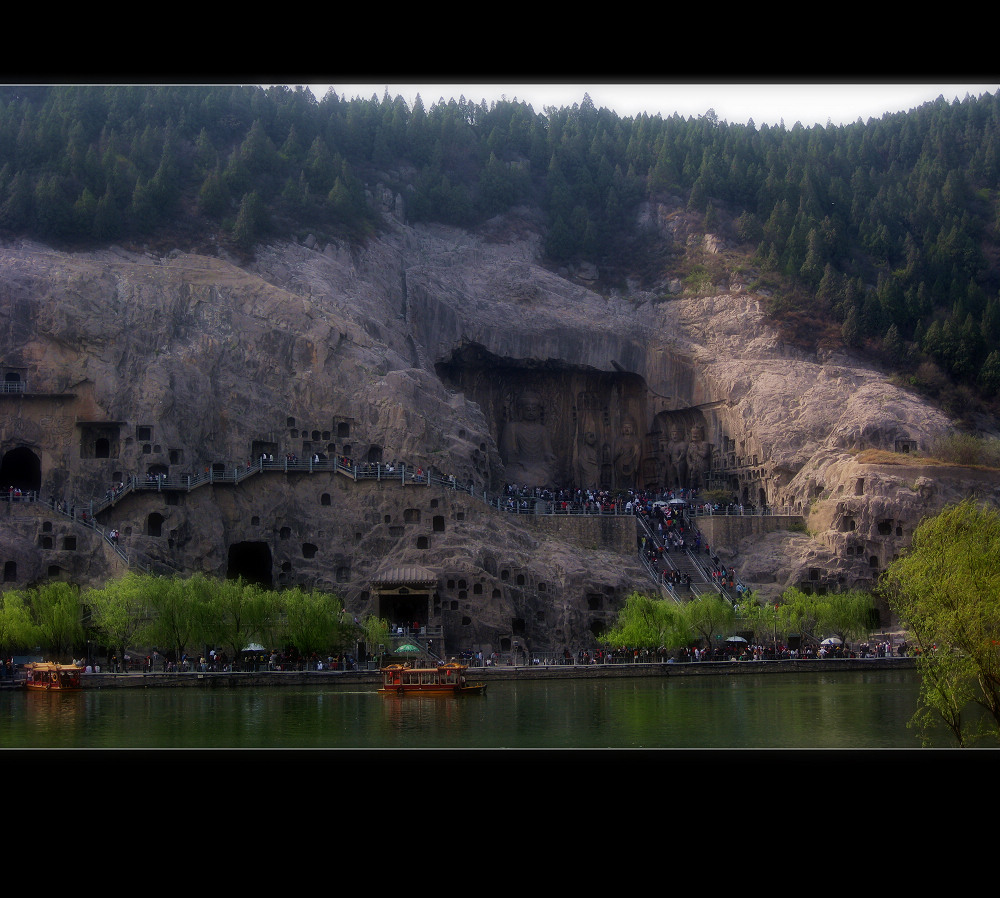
{"x":735,"y":639}
{"x":832,"y":640}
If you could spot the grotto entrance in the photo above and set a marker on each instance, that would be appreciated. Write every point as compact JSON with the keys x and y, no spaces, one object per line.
{"x":252,"y":562}
{"x":571,"y":427}
{"x":21,"y":469}
{"x":404,"y":597}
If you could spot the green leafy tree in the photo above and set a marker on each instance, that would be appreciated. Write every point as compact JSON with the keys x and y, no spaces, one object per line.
{"x":798,"y":613}
{"x":57,"y":613}
{"x":120,"y":610}
{"x":760,"y":618}
{"x":376,"y":632}
{"x":645,"y":622}
{"x":850,"y":615}
{"x":709,"y":616}
{"x":179,"y":612}
{"x":946,"y":589}
{"x":314,"y":621}
{"x":241,"y":613}
{"x":17,"y":628}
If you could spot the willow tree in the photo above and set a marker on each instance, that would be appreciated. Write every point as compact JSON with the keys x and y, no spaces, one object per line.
{"x":798,"y":612}
{"x":946,"y":589}
{"x":313,"y":621}
{"x":375,"y":632}
{"x":57,"y":613}
{"x":710,"y":616}
{"x":120,"y":609}
{"x":179,"y":612}
{"x":847,"y":615}
{"x":17,"y":629}
{"x":648,"y":623}
{"x":240,"y":613}
{"x":759,"y":617}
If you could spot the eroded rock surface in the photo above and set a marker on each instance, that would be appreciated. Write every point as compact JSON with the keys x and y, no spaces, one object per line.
{"x":451,"y":352}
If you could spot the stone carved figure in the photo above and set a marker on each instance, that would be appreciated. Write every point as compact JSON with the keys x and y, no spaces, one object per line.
{"x":627,"y":456}
{"x":587,"y":464}
{"x":699,"y":455}
{"x":677,"y":458}
{"x":526,"y":447}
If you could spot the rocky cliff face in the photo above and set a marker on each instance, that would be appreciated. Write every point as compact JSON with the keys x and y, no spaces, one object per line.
{"x":453,"y":352}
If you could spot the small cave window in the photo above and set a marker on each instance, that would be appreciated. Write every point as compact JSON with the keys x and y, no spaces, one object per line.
{"x":309,"y":550}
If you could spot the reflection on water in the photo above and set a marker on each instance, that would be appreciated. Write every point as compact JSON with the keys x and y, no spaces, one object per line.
{"x":848,"y":710}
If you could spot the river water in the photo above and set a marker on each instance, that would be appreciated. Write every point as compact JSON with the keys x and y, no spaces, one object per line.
{"x":850,"y":710}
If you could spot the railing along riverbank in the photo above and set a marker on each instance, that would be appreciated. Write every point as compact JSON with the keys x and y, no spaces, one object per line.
{"x":370,"y":678}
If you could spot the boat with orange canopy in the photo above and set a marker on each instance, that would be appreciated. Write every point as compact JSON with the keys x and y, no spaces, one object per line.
{"x":445,"y":679}
{"x":50,"y":677}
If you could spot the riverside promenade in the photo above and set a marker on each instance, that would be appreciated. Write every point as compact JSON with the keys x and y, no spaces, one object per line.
{"x":371,"y":679}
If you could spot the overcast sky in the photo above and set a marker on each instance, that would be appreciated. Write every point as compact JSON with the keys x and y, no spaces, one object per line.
{"x":809,"y":104}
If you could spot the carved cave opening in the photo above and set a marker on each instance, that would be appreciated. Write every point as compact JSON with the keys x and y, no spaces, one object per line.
{"x":251,"y":561}
{"x":22,"y":469}
{"x":100,"y":439}
{"x":569,"y":427}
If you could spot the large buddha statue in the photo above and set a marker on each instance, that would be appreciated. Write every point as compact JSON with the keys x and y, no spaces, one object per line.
{"x":627,"y":456}
{"x":526,"y":447}
{"x":699,"y":456}
{"x":677,"y":465}
{"x":587,"y":466}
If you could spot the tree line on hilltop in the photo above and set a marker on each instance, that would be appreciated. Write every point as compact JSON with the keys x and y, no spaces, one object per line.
{"x":880,"y":234}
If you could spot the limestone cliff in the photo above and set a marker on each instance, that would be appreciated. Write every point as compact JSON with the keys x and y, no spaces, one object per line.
{"x":453,"y":352}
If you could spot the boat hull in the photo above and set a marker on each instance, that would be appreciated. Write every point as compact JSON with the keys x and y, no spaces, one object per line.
{"x":472,"y":689}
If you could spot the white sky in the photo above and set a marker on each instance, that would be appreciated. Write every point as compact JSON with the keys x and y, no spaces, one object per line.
{"x":768,"y":103}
